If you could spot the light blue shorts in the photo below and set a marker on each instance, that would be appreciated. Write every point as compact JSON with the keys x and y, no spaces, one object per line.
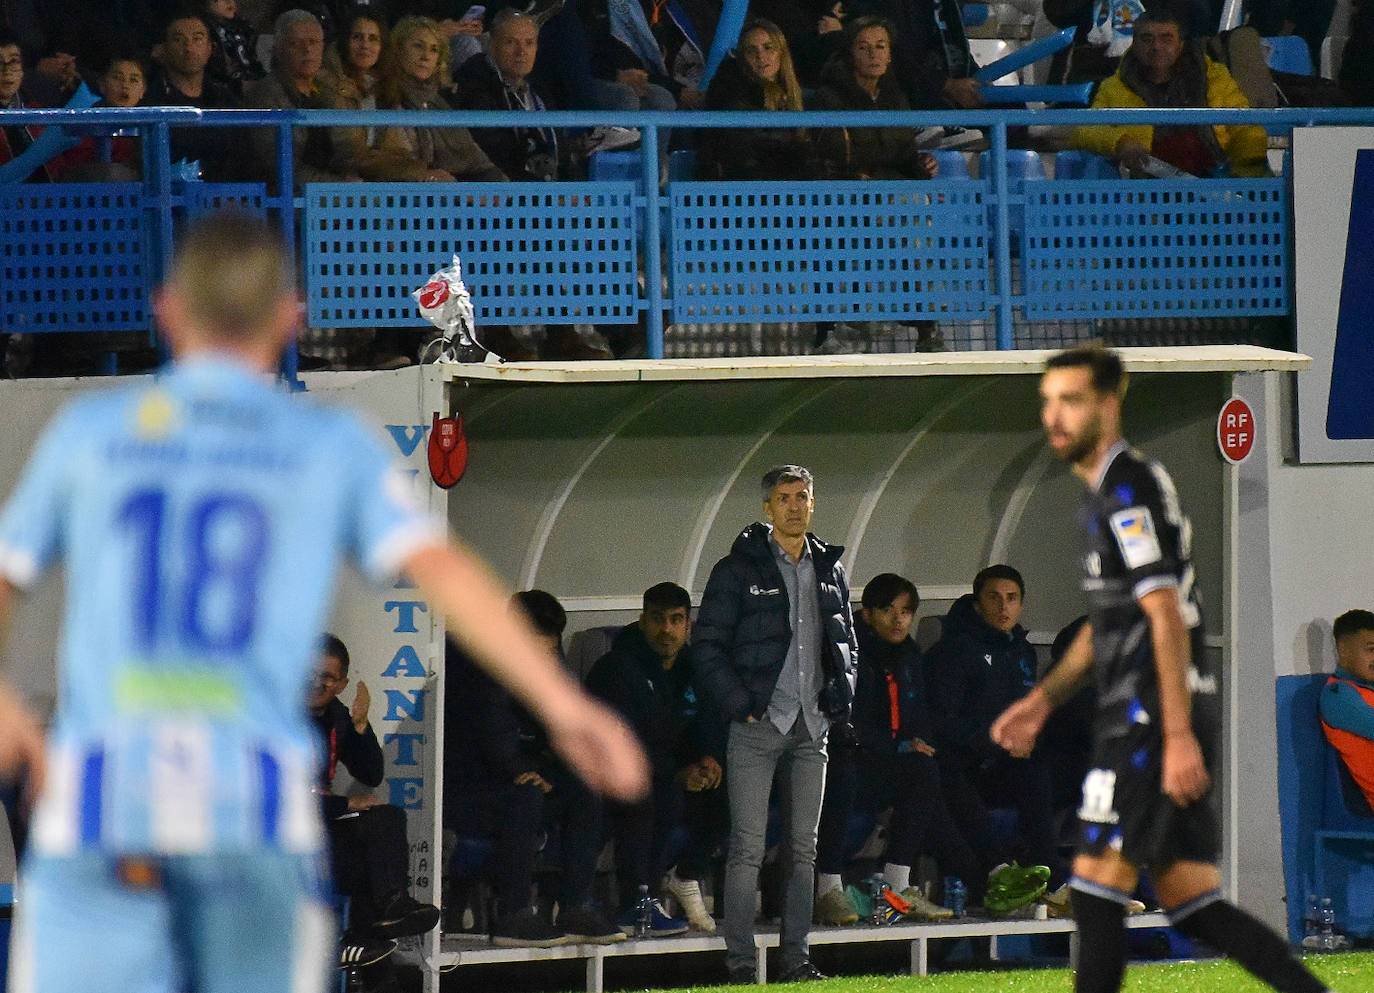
{"x":256,"y":922}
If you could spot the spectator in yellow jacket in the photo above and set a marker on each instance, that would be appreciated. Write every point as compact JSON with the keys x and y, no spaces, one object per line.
{"x":1163,"y":69}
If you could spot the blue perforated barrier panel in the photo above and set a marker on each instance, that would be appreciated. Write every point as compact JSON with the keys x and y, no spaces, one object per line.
{"x":73,"y":258}
{"x":203,"y":197}
{"x":1200,"y":247}
{"x":769,"y":252}
{"x":553,"y":252}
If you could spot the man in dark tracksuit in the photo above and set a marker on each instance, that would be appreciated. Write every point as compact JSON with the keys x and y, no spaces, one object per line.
{"x":776,"y":657}
{"x":979,"y":667}
{"x":647,"y":677}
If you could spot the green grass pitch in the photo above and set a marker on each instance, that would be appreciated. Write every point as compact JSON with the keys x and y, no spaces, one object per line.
{"x":1349,"y":972}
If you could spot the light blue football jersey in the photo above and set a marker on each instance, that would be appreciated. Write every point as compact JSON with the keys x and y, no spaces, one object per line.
{"x":201,"y":519}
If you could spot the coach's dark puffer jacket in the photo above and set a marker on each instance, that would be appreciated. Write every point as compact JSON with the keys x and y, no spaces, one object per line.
{"x":743,"y":629}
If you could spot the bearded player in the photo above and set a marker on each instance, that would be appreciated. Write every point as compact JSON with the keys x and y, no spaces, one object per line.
{"x":1147,"y":795}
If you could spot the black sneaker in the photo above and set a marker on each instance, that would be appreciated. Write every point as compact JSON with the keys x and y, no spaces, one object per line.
{"x":403,"y":916}
{"x":357,"y":951}
{"x":525,"y":929}
{"x":584,"y":924}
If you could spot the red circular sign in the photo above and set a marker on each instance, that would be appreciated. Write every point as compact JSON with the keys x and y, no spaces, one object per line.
{"x":1236,"y":430}
{"x":433,"y":294}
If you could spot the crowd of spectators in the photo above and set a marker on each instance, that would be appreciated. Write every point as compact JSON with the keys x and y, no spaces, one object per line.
{"x":612,"y":55}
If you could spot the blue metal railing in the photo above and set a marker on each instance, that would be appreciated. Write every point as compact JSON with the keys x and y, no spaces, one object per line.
{"x":163,"y":197}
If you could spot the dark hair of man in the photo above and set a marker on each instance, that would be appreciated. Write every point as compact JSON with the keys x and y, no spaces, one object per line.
{"x":8,"y":38}
{"x":186,"y":12}
{"x":333,"y":647}
{"x":667,"y":596}
{"x":1163,"y":14}
{"x":546,"y":614}
{"x":789,"y":473}
{"x":1352,"y":622}
{"x":998,"y":571}
{"x":883,"y":590}
{"x":1108,"y":373}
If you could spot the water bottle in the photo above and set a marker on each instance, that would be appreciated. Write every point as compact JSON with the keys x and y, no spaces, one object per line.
{"x":956,"y":895}
{"x":875,"y":899}
{"x":1311,"y":924}
{"x":644,"y":912}
{"x":1327,"y":920}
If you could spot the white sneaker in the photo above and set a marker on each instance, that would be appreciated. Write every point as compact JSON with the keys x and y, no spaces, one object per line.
{"x":687,"y":893}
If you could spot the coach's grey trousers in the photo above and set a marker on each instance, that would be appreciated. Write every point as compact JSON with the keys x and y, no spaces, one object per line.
{"x":755,"y":751}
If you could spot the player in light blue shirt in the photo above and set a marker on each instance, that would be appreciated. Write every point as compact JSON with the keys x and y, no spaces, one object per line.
{"x":201,"y":518}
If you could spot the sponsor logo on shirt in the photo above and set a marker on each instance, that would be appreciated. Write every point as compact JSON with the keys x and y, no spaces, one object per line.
{"x":1134,"y":529}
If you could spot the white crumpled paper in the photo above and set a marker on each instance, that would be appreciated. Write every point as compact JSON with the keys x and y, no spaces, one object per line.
{"x":445,"y":302}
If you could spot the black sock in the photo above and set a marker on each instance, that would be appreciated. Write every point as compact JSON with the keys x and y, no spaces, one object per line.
{"x":1101,"y":943}
{"x":1263,"y":953}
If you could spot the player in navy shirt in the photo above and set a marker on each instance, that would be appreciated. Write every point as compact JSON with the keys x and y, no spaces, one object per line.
{"x":201,"y":517}
{"x":1147,"y":801}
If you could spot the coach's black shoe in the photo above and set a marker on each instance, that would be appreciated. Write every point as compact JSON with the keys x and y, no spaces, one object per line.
{"x":801,"y":974}
{"x":358,"y":951}
{"x":743,"y":975}
{"x":403,"y":916}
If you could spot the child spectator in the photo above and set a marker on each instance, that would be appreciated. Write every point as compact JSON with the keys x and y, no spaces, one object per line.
{"x":118,"y":156}
{"x":235,"y":60}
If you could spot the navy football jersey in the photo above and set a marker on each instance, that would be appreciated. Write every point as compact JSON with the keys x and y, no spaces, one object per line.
{"x":1138,"y":540}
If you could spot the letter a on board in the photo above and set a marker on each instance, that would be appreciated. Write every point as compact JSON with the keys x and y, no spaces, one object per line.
{"x":1350,"y":404}
{"x":448,"y":450}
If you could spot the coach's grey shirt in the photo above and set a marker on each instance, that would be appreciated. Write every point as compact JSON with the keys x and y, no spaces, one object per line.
{"x":798,"y":689}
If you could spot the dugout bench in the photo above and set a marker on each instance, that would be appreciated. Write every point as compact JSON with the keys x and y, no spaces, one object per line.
{"x":459,"y":950}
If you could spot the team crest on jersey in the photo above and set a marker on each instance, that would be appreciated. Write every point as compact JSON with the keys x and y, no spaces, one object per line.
{"x":1134,"y":529}
{"x":155,"y":416}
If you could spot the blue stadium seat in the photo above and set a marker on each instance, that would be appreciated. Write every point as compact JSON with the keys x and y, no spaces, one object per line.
{"x":976,"y":14}
{"x":1022,"y":164}
{"x":615,"y":166}
{"x":953,"y":164}
{"x":1077,"y":163}
{"x":682,"y":165}
{"x":1288,"y":53}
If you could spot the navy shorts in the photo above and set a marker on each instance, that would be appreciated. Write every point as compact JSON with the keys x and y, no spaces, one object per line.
{"x":1124,"y":810}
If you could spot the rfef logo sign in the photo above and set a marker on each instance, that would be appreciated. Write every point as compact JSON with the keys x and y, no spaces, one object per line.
{"x":1236,"y":430}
